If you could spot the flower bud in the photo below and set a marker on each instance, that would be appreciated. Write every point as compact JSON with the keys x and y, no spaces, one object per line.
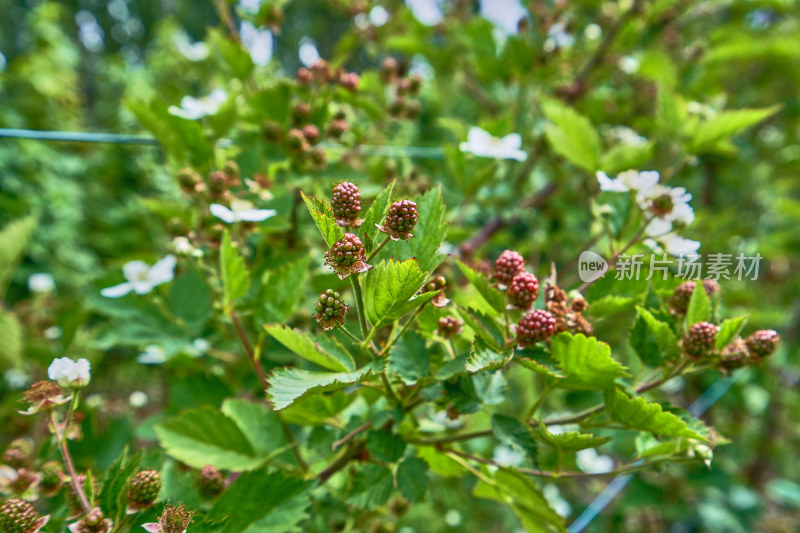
{"x":70,"y":374}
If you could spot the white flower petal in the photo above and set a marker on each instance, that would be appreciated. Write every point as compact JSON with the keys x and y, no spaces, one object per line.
{"x":163,"y":271}
{"x":512,"y":141}
{"x":255,"y":215}
{"x":607,"y":184}
{"x":117,"y":291}
{"x":135,"y":270}
{"x":222,"y":213}
{"x":658,"y":227}
{"x":428,"y":12}
{"x":505,"y":14}
{"x":142,"y":286}
{"x":479,"y":137}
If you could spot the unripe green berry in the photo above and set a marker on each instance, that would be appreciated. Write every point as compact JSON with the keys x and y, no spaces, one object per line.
{"x":143,"y":489}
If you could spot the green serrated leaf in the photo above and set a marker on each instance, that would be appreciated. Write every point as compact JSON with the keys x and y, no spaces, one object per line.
{"x":412,"y":479}
{"x":572,"y":135}
{"x":653,"y":340}
{"x":14,"y":240}
{"x":375,"y":214}
{"x":538,"y":359}
{"x":388,"y":287}
{"x":302,"y":344}
{"x":256,"y":496}
{"x":12,"y":344}
{"x":570,"y":441}
{"x":585,"y":361}
{"x":489,"y":293}
{"x":372,"y":486}
{"x":409,"y":359}
{"x":204,"y":436}
{"x":286,"y":385}
{"x":323,"y":218}
{"x":482,"y":357}
{"x":726,"y":124}
{"x":699,"y":307}
{"x":385,"y":446}
{"x":729,"y":329}
{"x":235,"y":277}
{"x":113,"y":495}
{"x":190,"y":300}
{"x":484,"y":327}
{"x":283,"y":289}
{"x":524,"y":497}
{"x":636,"y":413}
{"x":516,"y":435}
{"x":261,"y":426}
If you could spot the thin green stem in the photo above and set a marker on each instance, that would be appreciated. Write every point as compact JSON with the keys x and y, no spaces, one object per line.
{"x":362,"y":319}
{"x":251,"y":354}
{"x":389,"y":389}
{"x":287,"y":432}
{"x":350,"y":336}
{"x":378,"y":248}
{"x":402,"y":331}
{"x":539,"y":401}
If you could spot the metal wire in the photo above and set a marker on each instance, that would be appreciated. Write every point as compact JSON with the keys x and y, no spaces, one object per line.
{"x":703,"y":403}
{"x":412,"y":152}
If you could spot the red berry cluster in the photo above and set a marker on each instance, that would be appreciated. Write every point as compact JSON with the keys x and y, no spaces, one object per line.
{"x":700,"y":340}
{"x":347,"y":256}
{"x":321,"y":73}
{"x":400,"y":220}
{"x":523,"y":290}
{"x":346,"y":203}
{"x":508,"y":265}
{"x":534,"y":327}
{"x":679,"y":303}
{"x":406,"y":104}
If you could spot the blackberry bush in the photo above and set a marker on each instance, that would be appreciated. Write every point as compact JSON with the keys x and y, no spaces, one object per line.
{"x":346,"y":204}
{"x":508,"y":265}
{"x":534,"y":327}
{"x":400,"y":220}
{"x":523,"y":290}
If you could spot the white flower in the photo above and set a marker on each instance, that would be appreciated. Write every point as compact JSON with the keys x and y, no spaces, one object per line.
{"x":559,"y":504}
{"x":41,"y":283}
{"x":196,"y":51}
{"x":674,"y":245}
{"x":240,"y":211}
{"x":16,"y":379}
{"x":196,"y":108}
{"x":628,"y":64}
{"x":53,"y":332}
{"x":182,"y":245}
{"x":670,"y":205}
{"x":378,"y":16}
{"x":591,"y":462}
{"x":70,"y":374}
{"x":308,"y":52}
{"x":625,"y":135}
{"x":421,"y":67}
{"x":250,"y":6}
{"x":152,"y":355}
{"x":557,"y":37}
{"x":201,"y":346}
{"x":428,"y":12}
{"x":482,"y":144}
{"x":592,"y":32}
{"x":138,"y":399}
{"x":142,"y":278}
{"x":505,"y":456}
{"x":630,"y":180}
{"x":505,"y":14}
{"x":258,"y":43}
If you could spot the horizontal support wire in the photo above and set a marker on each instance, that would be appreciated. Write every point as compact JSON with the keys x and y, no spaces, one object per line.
{"x":413,"y":152}
{"x":702,"y":404}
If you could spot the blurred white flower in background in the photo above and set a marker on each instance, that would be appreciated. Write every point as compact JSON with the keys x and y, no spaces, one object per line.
{"x":258,"y":43}
{"x":592,"y":32}
{"x":378,"y":16}
{"x":142,"y":278}
{"x":428,"y":12}
{"x":481,"y":143}
{"x":53,"y":332}
{"x":193,"y":51}
{"x":559,"y":504}
{"x":558,"y":37}
{"x":41,"y":283}
{"x":308,"y":52}
{"x":421,"y":67}
{"x":152,"y":355}
{"x":504,"y":14}
{"x":591,"y":462}
{"x":16,"y":379}
{"x":505,"y":456}
{"x":196,"y":108}
{"x":625,"y":135}
{"x":250,"y":6}
{"x":628,"y":64}
{"x":138,"y":399}
{"x":201,"y":346}
{"x":70,"y":374}
{"x":240,"y":212}
{"x":674,"y":245}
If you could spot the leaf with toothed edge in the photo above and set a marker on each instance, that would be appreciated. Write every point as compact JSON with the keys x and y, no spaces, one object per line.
{"x":323,"y":218}
{"x":482,"y":357}
{"x":304,"y":346}
{"x":637,"y":413}
{"x":389,"y":288}
{"x":482,"y":284}
{"x":375,"y":214}
{"x":570,"y":441}
{"x":286,"y":385}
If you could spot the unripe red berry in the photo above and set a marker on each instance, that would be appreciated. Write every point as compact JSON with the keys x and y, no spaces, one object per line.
{"x":523,"y":290}
{"x":508,"y":265}
{"x":311,"y":133}
{"x":389,"y":69}
{"x":535,"y":326}
{"x":318,"y":159}
{"x":218,"y":183}
{"x":700,"y":340}
{"x":449,"y":327}
{"x":683,"y":294}
{"x":301,"y":111}
{"x":346,"y":203}
{"x":296,"y":141}
{"x":330,"y":310}
{"x":397,"y":107}
{"x":400,"y":220}
{"x":188,"y":180}
{"x":19,"y":453}
{"x":347,"y":256}
{"x":735,"y":355}
{"x":304,"y":76}
{"x":52,"y":478}
{"x":403,"y":86}
{"x":210,"y":482}
{"x":272,"y":131}
{"x":143,"y":489}
{"x":763,"y":343}
{"x":232,"y":172}
{"x":349,"y":81}
{"x":415,"y":83}
{"x":337,"y":127}
{"x":19,"y":516}
{"x":322,"y":71}
{"x":413,"y":109}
